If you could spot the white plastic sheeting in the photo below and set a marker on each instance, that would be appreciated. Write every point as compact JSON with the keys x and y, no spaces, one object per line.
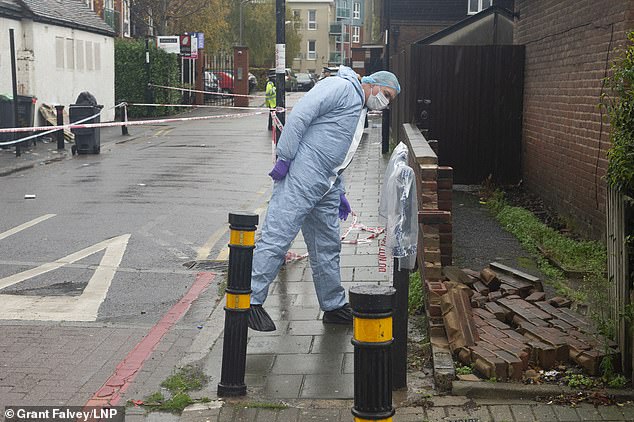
{"x":399,"y":207}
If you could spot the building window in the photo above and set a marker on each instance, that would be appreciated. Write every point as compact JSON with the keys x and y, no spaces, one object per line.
{"x":356,"y":12}
{"x":356,"y":33}
{"x":312,"y":19}
{"x":59,"y":52}
{"x":476,"y":6}
{"x":70,"y":53}
{"x":89,"y":56}
{"x":312,"y":53}
{"x":297,"y":19}
{"x":90,"y":4}
{"x":126,"y":18}
{"x":79,"y":47}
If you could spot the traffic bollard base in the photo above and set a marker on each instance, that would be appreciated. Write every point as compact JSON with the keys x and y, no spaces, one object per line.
{"x":231,"y":390}
{"x":362,"y":417}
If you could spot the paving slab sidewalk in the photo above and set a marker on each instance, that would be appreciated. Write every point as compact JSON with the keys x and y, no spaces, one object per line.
{"x":307,"y":367}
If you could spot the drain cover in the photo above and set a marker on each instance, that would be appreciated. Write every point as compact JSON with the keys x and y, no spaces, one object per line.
{"x":207,"y":264}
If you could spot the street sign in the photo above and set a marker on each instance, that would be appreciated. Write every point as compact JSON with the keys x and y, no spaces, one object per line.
{"x":186,"y":45}
{"x":169,"y":43}
{"x":201,"y":39}
{"x":194,"y":43}
{"x":189,"y":45}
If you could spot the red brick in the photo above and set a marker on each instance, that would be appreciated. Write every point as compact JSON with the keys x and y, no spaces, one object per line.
{"x":536,"y":297}
{"x":495,"y":309}
{"x":560,"y":302}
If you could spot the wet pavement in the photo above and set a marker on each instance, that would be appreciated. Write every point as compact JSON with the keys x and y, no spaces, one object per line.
{"x":300,"y":372}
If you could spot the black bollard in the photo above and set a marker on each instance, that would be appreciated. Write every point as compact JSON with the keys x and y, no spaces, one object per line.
{"x":372,"y":310}
{"x":234,"y":351}
{"x":399,"y":350}
{"x":60,"y":122}
{"x":124,"y":118}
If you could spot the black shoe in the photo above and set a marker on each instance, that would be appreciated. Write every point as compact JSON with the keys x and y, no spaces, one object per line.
{"x":342,"y":316}
{"x":259,"y":320}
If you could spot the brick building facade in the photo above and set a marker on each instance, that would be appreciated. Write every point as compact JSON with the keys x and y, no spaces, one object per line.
{"x":569,"y":46}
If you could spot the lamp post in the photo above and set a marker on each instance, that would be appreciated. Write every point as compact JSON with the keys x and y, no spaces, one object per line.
{"x":242,"y":3}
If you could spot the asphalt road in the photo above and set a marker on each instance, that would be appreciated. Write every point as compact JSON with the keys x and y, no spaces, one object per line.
{"x":125,"y":222}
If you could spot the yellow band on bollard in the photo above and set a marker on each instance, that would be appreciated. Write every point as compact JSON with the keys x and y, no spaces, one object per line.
{"x":373,"y":330}
{"x":235,"y":301}
{"x":242,"y":238}
{"x":375,"y":420}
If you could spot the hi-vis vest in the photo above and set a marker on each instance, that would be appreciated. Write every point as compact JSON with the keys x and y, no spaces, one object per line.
{"x":270,"y":100}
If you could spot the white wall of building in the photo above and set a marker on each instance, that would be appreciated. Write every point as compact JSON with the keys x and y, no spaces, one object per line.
{"x":56,"y":64}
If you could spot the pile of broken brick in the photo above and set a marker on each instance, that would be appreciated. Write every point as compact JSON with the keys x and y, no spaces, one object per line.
{"x":499,"y":322}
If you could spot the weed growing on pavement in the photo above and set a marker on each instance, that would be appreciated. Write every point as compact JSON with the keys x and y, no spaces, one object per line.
{"x":464,"y":370}
{"x":178,"y":385}
{"x":579,"y":381}
{"x":617,"y":382}
{"x":415,"y":299}
{"x":186,"y":379}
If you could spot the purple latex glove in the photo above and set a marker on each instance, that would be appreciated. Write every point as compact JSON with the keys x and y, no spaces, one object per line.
{"x":280,"y":170}
{"x":344,"y":207}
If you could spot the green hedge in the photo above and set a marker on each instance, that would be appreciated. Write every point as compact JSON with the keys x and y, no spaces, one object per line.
{"x":130,"y":77}
{"x":620,"y":108}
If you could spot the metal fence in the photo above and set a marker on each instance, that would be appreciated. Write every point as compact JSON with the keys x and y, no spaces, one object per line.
{"x":218,"y":74}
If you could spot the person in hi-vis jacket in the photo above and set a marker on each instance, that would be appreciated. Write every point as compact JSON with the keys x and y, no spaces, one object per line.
{"x":270,"y":99}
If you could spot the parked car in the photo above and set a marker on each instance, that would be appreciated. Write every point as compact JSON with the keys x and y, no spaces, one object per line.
{"x":304,"y":81}
{"x":211,"y":82}
{"x":225,"y":81}
{"x":253,"y":82}
{"x":290,"y":79}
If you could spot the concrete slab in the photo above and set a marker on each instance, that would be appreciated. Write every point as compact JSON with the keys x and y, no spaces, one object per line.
{"x":339,"y":386}
{"x":308,"y":364}
{"x":284,"y":344}
{"x":283,"y":386}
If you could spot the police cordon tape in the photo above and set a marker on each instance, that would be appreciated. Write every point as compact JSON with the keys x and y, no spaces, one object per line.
{"x":375,"y":233}
{"x":224,"y":94}
{"x":276,"y":120}
{"x":51,"y":129}
{"x":197,"y":106}
{"x":36,"y":128}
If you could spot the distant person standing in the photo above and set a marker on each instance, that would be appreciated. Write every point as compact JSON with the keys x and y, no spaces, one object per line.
{"x":270,"y":100}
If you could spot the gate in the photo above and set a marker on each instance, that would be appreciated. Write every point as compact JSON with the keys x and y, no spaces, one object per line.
{"x":218,"y":71}
{"x":469,"y":98}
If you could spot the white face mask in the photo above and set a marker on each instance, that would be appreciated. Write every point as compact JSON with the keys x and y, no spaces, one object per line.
{"x":378,"y":101}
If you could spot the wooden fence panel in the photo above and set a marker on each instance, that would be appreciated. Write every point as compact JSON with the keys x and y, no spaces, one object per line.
{"x":476,"y":106}
{"x":618,"y":275}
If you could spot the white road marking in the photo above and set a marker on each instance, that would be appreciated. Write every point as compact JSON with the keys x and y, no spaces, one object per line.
{"x":25,"y":225}
{"x":60,"y":308}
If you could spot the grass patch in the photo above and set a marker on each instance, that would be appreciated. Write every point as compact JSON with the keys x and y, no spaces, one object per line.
{"x":186,"y":379}
{"x":589,"y":257}
{"x":416,"y":295}
{"x":177,"y":386}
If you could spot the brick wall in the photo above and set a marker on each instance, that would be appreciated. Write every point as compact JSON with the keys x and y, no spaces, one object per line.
{"x":564,"y":144}
{"x":410,"y":32}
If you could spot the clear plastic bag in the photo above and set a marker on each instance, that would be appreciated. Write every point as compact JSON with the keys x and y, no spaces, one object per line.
{"x":399,"y":207}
